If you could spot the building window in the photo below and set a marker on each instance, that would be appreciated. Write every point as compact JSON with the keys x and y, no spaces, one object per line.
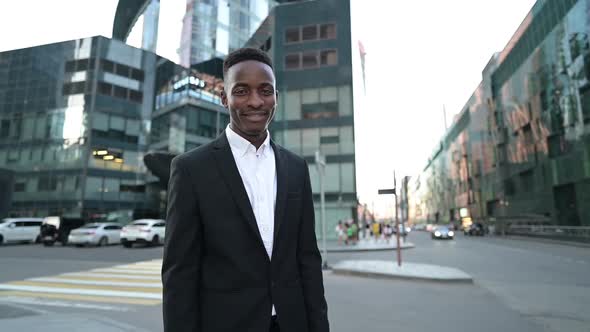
{"x":135,"y":96}
{"x":293,"y":61}
{"x":19,"y":187}
{"x":104,"y":88}
{"x":329,"y":139}
{"x":329,"y":58}
{"x":309,"y":60}
{"x":107,"y":66}
{"x":309,"y":32}
{"x":120,"y":92}
{"x":73,"y":88}
{"x":47,"y":183}
{"x":137,"y":74}
{"x":328,"y":31}
{"x":319,"y":110}
{"x":292,"y":35}
{"x":122,"y":70}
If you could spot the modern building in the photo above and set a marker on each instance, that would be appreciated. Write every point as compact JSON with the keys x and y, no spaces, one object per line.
{"x":312,"y":49}
{"x":74,"y":124}
{"x":188,"y":112}
{"x":213,"y":28}
{"x":520,"y":148}
{"x":210,"y":28}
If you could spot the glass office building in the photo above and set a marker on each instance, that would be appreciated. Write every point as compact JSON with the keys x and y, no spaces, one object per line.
{"x":213,"y":28}
{"x":520,"y":148}
{"x":74,"y":125}
{"x":312,"y":49}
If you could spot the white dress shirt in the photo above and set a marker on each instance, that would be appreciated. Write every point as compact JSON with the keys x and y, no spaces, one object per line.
{"x":258,"y":172}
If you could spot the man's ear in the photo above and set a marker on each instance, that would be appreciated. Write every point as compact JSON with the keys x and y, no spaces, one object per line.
{"x":223,"y":97}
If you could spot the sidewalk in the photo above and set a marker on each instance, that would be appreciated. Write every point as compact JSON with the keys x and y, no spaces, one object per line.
{"x":365,"y":245}
{"x":41,"y":321}
{"x":410,"y":271}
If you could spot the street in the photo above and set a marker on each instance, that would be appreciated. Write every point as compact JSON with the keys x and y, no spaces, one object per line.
{"x":519,"y":285}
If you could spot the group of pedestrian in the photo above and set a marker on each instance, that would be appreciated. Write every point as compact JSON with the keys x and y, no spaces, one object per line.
{"x":349,"y":233}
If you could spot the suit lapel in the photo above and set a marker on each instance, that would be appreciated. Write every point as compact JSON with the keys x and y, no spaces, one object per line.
{"x":231,"y":175}
{"x":281,"y":202}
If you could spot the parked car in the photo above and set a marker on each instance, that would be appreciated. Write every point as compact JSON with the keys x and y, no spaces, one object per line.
{"x":99,"y":234}
{"x":442,"y":232}
{"x":57,"y":229}
{"x":148,"y":231}
{"x":20,"y":230}
{"x":476,"y":229}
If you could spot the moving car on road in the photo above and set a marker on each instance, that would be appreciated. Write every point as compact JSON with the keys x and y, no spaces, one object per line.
{"x":148,"y":231}
{"x":20,"y":230}
{"x":99,"y":234}
{"x":442,"y":232}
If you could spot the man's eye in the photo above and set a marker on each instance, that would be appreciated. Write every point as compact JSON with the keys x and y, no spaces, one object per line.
{"x":268,"y":92}
{"x":240,"y":92}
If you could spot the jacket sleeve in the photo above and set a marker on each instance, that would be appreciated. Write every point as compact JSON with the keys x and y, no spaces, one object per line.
{"x":182,"y":255}
{"x":310,"y":264}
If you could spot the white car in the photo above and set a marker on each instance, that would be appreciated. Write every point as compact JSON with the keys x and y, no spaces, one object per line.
{"x":100,"y":234}
{"x":20,"y":230}
{"x":149,"y":231}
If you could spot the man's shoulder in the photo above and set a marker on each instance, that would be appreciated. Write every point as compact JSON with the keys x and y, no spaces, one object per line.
{"x":194,"y":156}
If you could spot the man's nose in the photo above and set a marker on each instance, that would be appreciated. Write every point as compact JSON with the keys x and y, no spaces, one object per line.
{"x":255,"y":100}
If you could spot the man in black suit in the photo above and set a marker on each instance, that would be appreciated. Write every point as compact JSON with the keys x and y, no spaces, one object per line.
{"x":241,"y":251}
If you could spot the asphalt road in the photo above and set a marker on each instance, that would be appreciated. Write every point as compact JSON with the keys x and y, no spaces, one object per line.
{"x":519,"y":286}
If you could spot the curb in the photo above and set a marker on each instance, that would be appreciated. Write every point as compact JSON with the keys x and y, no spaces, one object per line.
{"x":360,"y":249}
{"x":412,"y":271}
{"x":400,"y":277}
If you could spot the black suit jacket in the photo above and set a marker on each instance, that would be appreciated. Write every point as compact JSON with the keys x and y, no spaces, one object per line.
{"x":216,"y":273}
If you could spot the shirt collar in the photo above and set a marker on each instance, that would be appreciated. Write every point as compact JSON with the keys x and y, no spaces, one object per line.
{"x":241,"y":146}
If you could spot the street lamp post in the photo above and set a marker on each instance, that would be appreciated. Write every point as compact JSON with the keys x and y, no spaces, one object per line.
{"x":394,"y":193}
{"x":320,"y":162}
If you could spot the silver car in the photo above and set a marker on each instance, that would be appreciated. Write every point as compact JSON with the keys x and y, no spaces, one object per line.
{"x":99,"y":234}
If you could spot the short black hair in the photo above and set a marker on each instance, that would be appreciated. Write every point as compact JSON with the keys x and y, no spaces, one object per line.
{"x":245,"y":54}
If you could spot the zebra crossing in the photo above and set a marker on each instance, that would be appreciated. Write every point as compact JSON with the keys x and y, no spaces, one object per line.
{"x":136,"y":284}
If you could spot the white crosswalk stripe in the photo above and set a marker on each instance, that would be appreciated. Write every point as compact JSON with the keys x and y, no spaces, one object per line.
{"x":136,"y":283}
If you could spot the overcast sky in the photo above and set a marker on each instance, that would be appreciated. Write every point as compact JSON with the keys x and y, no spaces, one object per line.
{"x":421,"y":55}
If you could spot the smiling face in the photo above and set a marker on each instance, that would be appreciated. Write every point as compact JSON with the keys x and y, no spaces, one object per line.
{"x":251,"y":98}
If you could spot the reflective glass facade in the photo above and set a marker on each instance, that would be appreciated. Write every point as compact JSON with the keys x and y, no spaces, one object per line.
{"x":521,"y":147}
{"x":74,"y":125}
{"x":213,"y":28}
{"x":310,"y":43}
{"x":188,"y":112}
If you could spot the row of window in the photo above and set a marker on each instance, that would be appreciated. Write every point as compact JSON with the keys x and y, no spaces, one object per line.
{"x":310,"y":33}
{"x":118,"y":69}
{"x":104,"y":88}
{"x":311,"y":59}
{"x":72,"y":183}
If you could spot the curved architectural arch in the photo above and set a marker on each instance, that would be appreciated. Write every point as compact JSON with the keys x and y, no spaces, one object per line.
{"x":128,"y":11}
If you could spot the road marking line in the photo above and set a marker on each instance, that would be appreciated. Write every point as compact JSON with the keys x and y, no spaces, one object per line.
{"x":125,"y":271}
{"x":97,"y":282}
{"x":26,"y":299}
{"x":111,"y":275}
{"x":99,"y":276}
{"x":89,"y":287}
{"x":88,"y":298}
{"x":135,"y":268}
{"x":81,"y":291}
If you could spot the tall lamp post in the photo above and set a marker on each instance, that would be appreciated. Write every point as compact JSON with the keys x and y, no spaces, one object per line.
{"x":320,"y":161}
